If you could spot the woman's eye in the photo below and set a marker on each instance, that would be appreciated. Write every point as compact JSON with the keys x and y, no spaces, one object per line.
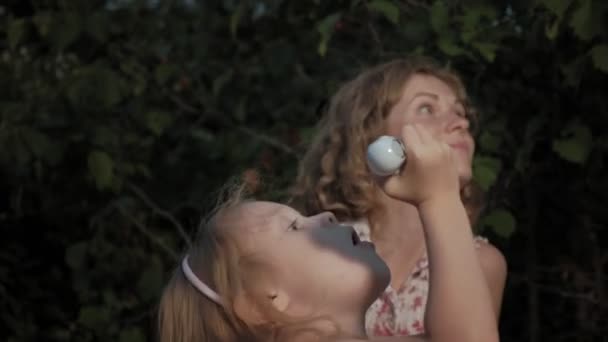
{"x":463,"y":113}
{"x":425,"y":109}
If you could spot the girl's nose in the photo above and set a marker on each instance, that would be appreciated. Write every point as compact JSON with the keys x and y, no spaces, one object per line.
{"x":330,"y":217}
{"x":326,"y":218}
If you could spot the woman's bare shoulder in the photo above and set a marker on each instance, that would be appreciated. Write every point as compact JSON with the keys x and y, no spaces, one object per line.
{"x":386,"y":339}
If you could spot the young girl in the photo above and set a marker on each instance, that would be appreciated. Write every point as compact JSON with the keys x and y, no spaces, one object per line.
{"x":260,"y":271}
{"x":334,"y":177}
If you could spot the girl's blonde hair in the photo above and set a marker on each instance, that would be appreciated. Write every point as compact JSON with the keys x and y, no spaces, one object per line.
{"x":333,"y":175}
{"x":186,"y":315}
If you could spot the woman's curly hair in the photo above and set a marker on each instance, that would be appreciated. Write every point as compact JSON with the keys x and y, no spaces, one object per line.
{"x":333,"y":174}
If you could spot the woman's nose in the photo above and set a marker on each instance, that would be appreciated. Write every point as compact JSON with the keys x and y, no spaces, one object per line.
{"x":457,"y":121}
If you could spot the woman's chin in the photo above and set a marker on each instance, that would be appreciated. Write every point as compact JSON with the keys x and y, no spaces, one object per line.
{"x":464,"y":177}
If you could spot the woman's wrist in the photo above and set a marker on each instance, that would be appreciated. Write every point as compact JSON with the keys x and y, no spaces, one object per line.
{"x":441,"y":201}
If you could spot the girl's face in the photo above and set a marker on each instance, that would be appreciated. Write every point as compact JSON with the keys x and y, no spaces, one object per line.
{"x":319,"y":266}
{"x":428,"y":101}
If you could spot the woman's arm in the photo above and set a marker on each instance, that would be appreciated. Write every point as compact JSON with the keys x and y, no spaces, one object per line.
{"x":390,"y":339}
{"x":459,"y":306}
{"x":494,"y":267}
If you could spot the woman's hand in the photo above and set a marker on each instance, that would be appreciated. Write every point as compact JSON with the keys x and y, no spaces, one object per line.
{"x":429,"y":173}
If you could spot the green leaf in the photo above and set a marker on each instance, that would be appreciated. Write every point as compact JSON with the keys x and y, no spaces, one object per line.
{"x":158,"y":121}
{"x":131,"y":335}
{"x":97,"y":25}
{"x":534,"y":126}
{"x":101,"y":167}
{"x":151,"y":279}
{"x":143,"y":170}
{"x":75,"y":255}
{"x":576,"y":143}
{"x":487,"y":50}
{"x":473,"y":15}
{"x":221,"y":81}
{"x":41,"y":146}
{"x":501,"y":222}
{"x":109,"y":87}
{"x":573,"y":71}
{"x":43,"y":22}
{"x":557,"y":7}
{"x":15,"y":32}
{"x":449,"y":47}
{"x":599,"y":56}
{"x":164,"y":72}
{"x":325,"y":27}
{"x":486,"y":170}
{"x":240,"y":114}
{"x":552,"y":30}
{"x":36,"y":141}
{"x":387,"y":8}
{"x":489,"y":141}
{"x":96,"y":87}
{"x":94,"y":318}
{"x":235,"y":18}
{"x":439,"y":16}
{"x":584,"y":21}
{"x":202,"y":134}
{"x":105,"y":136}
{"x":66,"y":29}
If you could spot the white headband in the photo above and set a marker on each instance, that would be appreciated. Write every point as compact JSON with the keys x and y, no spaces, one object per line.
{"x":198,"y":284}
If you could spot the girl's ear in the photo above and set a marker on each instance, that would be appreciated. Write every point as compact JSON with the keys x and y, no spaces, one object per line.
{"x":247,"y":309}
{"x":252,"y":310}
{"x":279,"y":300}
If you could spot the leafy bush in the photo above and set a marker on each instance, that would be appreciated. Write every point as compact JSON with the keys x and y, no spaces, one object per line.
{"x":120,"y":118}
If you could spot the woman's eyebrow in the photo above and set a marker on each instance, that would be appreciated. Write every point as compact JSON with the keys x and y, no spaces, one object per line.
{"x":423,"y":93}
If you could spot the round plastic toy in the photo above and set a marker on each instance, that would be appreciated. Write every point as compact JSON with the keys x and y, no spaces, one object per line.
{"x":386,"y":155}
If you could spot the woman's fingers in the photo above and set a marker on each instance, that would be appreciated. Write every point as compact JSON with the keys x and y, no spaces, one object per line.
{"x":424,"y":134}
{"x":411,"y":138}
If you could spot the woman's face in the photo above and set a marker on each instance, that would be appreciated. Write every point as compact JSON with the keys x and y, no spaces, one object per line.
{"x":428,"y":101}
{"x":319,"y":266}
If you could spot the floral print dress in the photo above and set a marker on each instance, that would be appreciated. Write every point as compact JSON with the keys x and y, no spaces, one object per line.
{"x":400,"y":312}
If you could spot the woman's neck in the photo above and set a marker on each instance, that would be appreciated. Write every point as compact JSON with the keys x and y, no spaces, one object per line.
{"x":399,"y":238}
{"x":338,"y":326}
{"x":398,"y":225}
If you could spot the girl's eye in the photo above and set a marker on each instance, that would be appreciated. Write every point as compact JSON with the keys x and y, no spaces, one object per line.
{"x":293,"y":226}
{"x":425,"y":109}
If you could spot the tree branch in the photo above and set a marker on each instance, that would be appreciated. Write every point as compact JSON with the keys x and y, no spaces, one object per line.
{"x":268,"y":140}
{"x":161,"y":212}
{"x":144,"y":230}
{"x":257,"y":135}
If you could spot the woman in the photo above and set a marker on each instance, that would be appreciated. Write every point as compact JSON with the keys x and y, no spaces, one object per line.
{"x":333,"y":176}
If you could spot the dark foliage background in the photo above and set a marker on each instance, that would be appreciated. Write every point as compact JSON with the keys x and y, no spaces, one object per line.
{"x":120,"y":118}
